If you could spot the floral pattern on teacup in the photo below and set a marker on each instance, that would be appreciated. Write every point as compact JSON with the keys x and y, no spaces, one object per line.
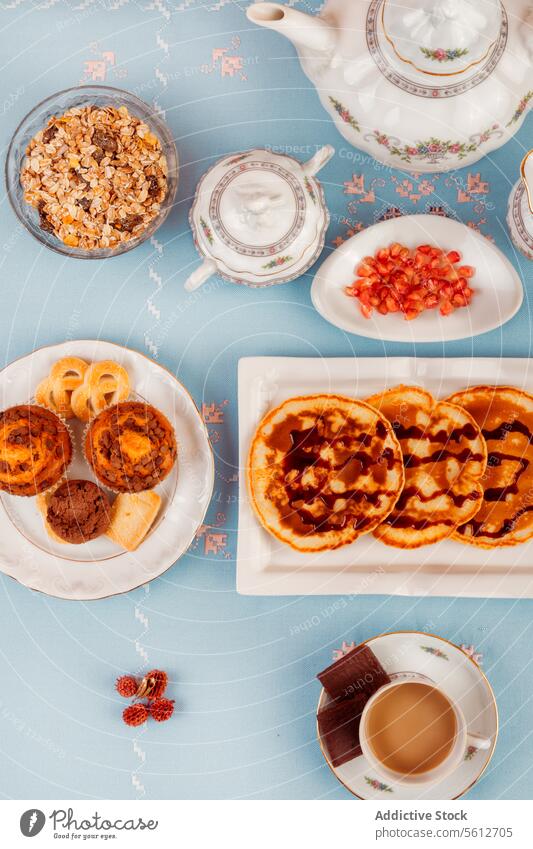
{"x":378,"y":785}
{"x":436,"y":652}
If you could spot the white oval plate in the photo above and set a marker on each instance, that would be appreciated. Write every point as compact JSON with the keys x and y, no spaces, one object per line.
{"x":459,"y":676}
{"x":101,"y":568}
{"x":498,"y":288}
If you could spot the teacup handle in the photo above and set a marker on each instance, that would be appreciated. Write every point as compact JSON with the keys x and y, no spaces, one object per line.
{"x":477,"y":741}
{"x":526,"y":173}
{"x":313,"y":165}
{"x":200,"y":275}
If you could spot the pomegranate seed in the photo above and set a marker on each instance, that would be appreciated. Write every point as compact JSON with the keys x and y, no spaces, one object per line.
{"x":466,"y":271}
{"x":400,"y":279}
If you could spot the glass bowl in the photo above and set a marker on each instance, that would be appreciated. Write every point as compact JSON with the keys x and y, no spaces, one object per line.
{"x":57,"y":104}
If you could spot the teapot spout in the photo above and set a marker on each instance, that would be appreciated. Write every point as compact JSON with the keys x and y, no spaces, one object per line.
{"x":307,"y":31}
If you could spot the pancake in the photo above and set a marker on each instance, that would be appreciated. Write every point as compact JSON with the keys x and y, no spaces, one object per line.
{"x":505,"y":416}
{"x":323,"y":469}
{"x":444,"y":456}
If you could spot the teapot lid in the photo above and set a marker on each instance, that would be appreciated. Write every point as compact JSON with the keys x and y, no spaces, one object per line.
{"x":261,"y":216}
{"x":441,"y":37}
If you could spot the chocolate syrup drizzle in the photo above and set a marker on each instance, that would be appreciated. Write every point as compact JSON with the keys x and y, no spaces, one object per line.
{"x":476,"y":527}
{"x":304,"y":453}
{"x":400,"y":520}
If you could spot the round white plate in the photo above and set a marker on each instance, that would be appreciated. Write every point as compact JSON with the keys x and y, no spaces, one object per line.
{"x":101,"y":568}
{"x":498,"y":288}
{"x":459,"y":676}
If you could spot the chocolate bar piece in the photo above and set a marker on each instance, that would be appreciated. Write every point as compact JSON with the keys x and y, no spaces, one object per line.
{"x":359,"y":671}
{"x":338,"y":726}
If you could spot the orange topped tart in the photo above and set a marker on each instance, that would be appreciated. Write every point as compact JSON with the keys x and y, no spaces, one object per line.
{"x":444,"y":457}
{"x":324,"y":469}
{"x":130,"y":446}
{"x":505,"y":416}
{"x":35,"y":449}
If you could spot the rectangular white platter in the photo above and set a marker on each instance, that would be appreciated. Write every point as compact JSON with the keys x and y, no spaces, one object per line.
{"x":266,"y":566}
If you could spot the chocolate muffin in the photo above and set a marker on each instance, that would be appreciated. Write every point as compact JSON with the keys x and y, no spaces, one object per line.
{"x":130,"y":446}
{"x":35,"y":449}
{"x":78,"y":511}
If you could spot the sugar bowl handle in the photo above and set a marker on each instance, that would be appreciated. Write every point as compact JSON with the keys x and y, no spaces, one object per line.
{"x":200,"y":275}
{"x":313,"y":165}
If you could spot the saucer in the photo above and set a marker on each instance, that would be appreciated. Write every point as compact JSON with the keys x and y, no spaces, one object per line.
{"x":497,"y":287}
{"x":459,"y":676}
{"x":100,"y":568}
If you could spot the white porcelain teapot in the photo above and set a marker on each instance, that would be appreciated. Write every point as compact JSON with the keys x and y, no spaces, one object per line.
{"x":259,"y":218}
{"x":424,"y":85}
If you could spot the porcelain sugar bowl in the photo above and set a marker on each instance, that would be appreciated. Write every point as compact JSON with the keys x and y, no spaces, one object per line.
{"x":259,"y":218}
{"x":424,"y":85}
{"x":520,"y":209}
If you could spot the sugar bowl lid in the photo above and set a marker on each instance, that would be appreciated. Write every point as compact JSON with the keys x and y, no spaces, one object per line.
{"x":441,"y":37}
{"x":259,"y":217}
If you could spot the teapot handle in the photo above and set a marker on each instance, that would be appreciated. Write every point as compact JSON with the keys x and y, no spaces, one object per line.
{"x":200,"y":275}
{"x":313,"y":165}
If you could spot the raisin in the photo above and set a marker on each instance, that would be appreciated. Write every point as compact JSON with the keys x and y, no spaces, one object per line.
{"x":153,"y":186}
{"x":44,"y":223}
{"x":85,"y":204}
{"x":98,"y":155}
{"x":129,"y":223}
{"x":49,"y":133}
{"x":105,"y":140}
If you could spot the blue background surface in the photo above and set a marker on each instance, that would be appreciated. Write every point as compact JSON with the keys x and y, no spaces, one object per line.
{"x":243,"y":673}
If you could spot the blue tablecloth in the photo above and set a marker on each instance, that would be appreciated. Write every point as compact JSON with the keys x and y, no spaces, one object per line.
{"x":242,"y":673}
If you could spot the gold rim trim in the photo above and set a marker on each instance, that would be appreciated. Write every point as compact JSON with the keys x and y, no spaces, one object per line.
{"x":476,"y":667}
{"x":203,"y":426}
{"x":528,"y":188}
{"x":423,"y":70}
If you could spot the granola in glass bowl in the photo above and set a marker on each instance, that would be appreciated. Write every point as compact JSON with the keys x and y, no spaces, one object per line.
{"x":92,"y":172}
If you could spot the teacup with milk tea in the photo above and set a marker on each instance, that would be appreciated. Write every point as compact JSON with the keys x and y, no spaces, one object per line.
{"x":412,"y":732}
